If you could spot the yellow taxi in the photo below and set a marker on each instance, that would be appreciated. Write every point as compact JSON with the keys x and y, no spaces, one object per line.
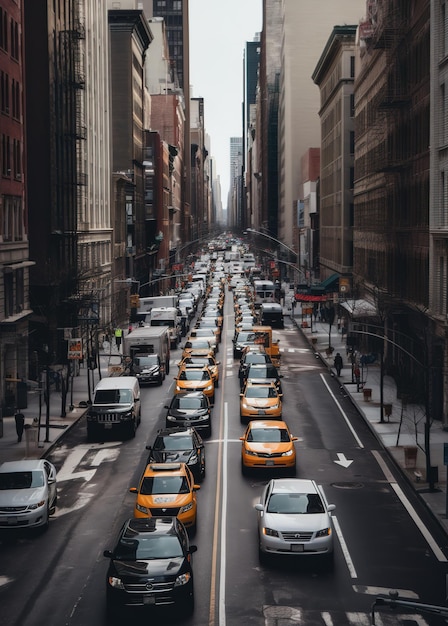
{"x":260,"y":400}
{"x":167,"y":489}
{"x":268,"y":444}
{"x":192,"y":345}
{"x":195,"y":378}
{"x":201,"y":360}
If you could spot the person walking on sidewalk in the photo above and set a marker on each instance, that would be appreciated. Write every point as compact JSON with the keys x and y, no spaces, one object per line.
{"x":20,"y":425}
{"x":338,"y":363}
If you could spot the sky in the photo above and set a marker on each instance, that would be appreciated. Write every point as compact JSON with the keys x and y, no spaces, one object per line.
{"x":219,"y":30}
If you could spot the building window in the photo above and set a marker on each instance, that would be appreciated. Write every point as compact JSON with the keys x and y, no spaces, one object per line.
{"x":12,"y":225}
{"x":352,"y":105}
{"x":177,"y":5}
{"x":17,"y":159}
{"x":6,"y":156}
{"x":352,"y":67}
{"x":3,"y":29}
{"x":15,"y":40}
{"x":8,"y":283}
{"x":4,"y":95}
{"x":15,"y":100}
{"x":352,"y":142}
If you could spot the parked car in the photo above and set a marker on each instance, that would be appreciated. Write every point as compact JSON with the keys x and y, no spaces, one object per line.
{"x":191,"y":408}
{"x":294,"y":519}
{"x":150,"y":566}
{"x":28,"y":493}
{"x":167,"y":489}
{"x":179,"y":444}
{"x":268,"y":444}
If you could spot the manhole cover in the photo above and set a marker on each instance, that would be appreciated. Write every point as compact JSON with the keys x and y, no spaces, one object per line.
{"x":347,"y":485}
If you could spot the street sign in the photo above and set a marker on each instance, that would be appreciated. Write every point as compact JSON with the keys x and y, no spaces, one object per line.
{"x":75,"y":348}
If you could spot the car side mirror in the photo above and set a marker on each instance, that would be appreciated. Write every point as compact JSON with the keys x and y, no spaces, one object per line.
{"x":241,"y":438}
{"x":259,"y":507}
{"x":331,"y":507}
{"x":133,"y":490}
{"x":192,"y":549}
{"x":196,"y":487}
{"x":149,"y":447}
{"x":109,"y":554}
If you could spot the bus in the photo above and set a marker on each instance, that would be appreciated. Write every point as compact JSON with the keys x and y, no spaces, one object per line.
{"x":264,"y":291}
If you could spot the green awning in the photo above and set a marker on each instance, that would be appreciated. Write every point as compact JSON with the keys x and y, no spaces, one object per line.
{"x":326,"y":284}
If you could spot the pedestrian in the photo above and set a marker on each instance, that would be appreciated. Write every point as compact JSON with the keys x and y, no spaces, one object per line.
{"x":118,"y":336}
{"x":20,"y":425}
{"x":357,"y":375}
{"x":338,"y":363}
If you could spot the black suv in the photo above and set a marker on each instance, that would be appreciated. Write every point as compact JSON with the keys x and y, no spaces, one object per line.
{"x":248,"y":359}
{"x":180,"y":444}
{"x":150,"y":566}
{"x":264,"y":373}
{"x":190,"y":408}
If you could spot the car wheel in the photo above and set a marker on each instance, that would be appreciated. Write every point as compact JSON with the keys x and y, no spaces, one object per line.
{"x":216,"y":384}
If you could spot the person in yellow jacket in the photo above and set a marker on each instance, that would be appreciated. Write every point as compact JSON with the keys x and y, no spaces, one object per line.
{"x":118,"y":336}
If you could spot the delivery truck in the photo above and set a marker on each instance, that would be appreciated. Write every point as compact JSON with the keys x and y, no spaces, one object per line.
{"x":168,"y":316}
{"x":147,"y":350}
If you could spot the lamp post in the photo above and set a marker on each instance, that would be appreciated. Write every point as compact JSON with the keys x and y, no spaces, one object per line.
{"x":280,"y":243}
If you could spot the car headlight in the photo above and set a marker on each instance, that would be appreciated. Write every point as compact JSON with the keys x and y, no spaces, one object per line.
{"x":187,"y":507}
{"x":193,"y":459}
{"x":288,"y":453}
{"x":37,"y":505}
{"x":270,"y":532}
{"x":250,"y":452}
{"x":182,"y":579}
{"x":209,"y":388}
{"x":244,"y":405}
{"x":325,"y":532}
{"x":116,"y":583}
{"x":178,"y":388}
{"x":142,"y":509}
{"x":275,"y":406}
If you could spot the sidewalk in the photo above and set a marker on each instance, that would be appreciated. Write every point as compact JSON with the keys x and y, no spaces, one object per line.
{"x":402,"y":431}
{"x":397,"y":433}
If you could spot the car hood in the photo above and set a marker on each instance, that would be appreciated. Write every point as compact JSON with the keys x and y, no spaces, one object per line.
{"x":148,"y":569}
{"x":147,"y":370}
{"x":22,"y":497}
{"x":267,"y":447}
{"x":304,"y":522}
{"x":261,"y":403}
{"x":171,"y":456}
{"x":187,"y":413}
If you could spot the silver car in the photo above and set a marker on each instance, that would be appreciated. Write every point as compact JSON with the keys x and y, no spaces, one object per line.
{"x":294,"y":519}
{"x":27,"y":493}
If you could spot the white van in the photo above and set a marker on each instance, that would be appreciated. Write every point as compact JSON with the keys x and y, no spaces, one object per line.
{"x":115,"y":407}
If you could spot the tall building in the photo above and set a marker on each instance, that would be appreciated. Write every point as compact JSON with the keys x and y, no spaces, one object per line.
{"x":250,"y":80}
{"x":305,"y":29}
{"x":175,"y":15}
{"x":335,"y":75}
{"x":15,"y":262}
{"x":235,"y":187}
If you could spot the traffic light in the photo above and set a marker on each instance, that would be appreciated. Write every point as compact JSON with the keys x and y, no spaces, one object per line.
{"x":135,"y":301}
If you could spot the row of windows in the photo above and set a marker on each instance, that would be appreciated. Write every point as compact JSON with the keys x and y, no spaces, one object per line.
{"x":11,"y":163}
{"x":11,"y":219}
{"x":9,"y":37}
{"x":10,"y":96}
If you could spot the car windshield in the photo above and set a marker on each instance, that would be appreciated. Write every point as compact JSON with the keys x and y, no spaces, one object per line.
{"x":200,"y":343}
{"x":146,"y":361}
{"x":245,"y":336}
{"x":178,"y":442}
{"x":261,"y":392}
{"x":271,"y":435}
{"x":154,"y":485}
{"x":295,"y":503}
{"x":187,"y":403}
{"x":21,"y":480}
{"x":262,"y":372}
{"x":255,"y":358}
{"x":146,"y":548}
{"x":113,"y":396}
{"x":194,"y":375}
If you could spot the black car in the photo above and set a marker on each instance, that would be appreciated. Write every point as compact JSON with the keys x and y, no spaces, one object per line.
{"x":241,"y":339}
{"x":248,"y":359}
{"x":180,"y":444}
{"x":190,"y":408}
{"x":267,"y":373}
{"x":150,"y":566}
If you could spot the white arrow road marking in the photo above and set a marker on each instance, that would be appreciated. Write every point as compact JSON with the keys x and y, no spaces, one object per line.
{"x":67,"y":471}
{"x":82,"y":500}
{"x":343,"y":460}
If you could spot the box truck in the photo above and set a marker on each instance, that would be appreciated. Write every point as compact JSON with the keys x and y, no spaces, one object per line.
{"x":147,"y":350}
{"x":167,"y":316}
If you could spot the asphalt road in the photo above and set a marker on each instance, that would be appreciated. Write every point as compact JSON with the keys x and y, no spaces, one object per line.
{"x":58,"y":578}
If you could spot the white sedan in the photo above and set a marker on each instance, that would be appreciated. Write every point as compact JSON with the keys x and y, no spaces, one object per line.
{"x":294,"y":519}
{"x":27,"y":493}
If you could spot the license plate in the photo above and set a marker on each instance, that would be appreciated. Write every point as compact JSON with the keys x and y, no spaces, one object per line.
{"x":107,"y":425}
{"x":270,"y":463}
{"x":149,"y":599}
{"x":12,"y":520}
{"x":261,"y":412}
{"x":297,"y":547}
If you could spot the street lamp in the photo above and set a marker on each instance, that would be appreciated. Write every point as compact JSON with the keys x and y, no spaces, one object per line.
{"x":280,"y":243}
